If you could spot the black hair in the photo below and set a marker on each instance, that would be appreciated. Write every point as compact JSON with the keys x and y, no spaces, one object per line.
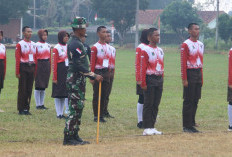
{"x":1,"y":32}
{"x":24,"y":28}
{"x":151,"y":30}
{"x":191,"y":25}
{"x":100,"y":28}
{"x":143,"y":37}
{"x":61,"y":36}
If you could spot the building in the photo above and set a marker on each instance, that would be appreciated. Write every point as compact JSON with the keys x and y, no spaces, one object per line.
{"x":149,"y":18}
{"x":12,"y":30}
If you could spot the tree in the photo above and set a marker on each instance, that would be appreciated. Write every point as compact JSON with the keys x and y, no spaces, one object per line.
{"x":225,"y":27}
{"x":12,"y":9}
{"x":178,"y":15}
{"x":121,"y":12}
{"x":159,"y":4}
{"x":50,"y":13}
{"x":230,"y":13}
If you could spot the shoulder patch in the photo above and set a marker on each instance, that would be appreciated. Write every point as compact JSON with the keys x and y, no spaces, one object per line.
{"x":78,"y":50}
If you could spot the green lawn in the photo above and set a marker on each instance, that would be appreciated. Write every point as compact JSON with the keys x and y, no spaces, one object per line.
{"x":44,"y":126}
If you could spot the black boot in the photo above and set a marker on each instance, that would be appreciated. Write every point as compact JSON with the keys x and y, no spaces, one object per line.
{"x":77,"y":138}
{"x":70,"y":140}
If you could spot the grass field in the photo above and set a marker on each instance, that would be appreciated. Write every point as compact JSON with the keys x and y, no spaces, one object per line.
{"x":42,"y":133}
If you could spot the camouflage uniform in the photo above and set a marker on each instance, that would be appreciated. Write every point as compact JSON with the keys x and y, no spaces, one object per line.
{"x":78,"y":70}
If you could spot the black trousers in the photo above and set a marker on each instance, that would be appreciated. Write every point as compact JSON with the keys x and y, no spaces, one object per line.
{"x":104,"y":89}
{"x":105,"y":110}
{"x":191,"y":96}
{"x":152,"y":99}
{"x":26,"y":80}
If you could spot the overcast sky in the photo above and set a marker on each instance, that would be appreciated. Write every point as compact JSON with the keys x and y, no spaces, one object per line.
{"x":225,"y":5}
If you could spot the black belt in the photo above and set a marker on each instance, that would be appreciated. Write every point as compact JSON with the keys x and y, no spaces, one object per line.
{"x":155,"y":76}
{"x":43,"y":60}
{"x":198,"y":69}
{"x":28,"y":64}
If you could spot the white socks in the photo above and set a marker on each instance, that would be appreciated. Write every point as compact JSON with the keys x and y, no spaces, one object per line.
{"x":39,"y":97}
{"x":42,"y":95}
{"x":230,"y":114}
{"x":140,"y":112}
{"x":66,"y":106}
{"x":59,"y":104}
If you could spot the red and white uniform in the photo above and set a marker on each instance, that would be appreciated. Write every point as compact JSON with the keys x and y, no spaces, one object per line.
{"x":138,"y":61}
{"x":43,"y":50}
{"x":25,"y":53}
{"x":112,"y":57}
{"x":152,"y":63}
{"x":230,"y":68}
{"x":59,"y":56}
{"x":191,"y":57}
{"x":3,"y":56}
{"x":100,"y":56}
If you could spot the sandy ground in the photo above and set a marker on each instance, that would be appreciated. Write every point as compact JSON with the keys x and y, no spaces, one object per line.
{"x":179,"y":144}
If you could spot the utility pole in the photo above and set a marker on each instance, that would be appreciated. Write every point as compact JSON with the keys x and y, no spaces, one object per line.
{"x":216,"y":38}
{"x":34,"y":16}
{"x":137,"y":24}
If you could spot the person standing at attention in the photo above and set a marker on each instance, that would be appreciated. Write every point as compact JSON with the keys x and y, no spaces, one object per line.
{"x":25,"y":55}
{"x":152,"y":81}
{"x":100,"y":59}
{"x":43,"y":68}
{"x":60,"y":69}
{"x":144,"y":42}
{"x":192,"y":76}
{"x":2,"y":63}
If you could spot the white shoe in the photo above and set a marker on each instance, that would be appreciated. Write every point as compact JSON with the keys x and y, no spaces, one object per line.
{"x":156,"y":132}
{"x":1,"y":110}
{"x":148,"y":131}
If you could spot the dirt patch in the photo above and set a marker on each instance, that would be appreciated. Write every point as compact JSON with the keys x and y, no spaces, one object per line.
{"x":202,"y":144}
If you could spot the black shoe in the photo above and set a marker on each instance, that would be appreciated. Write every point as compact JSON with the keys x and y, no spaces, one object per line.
{"x":61,"y":117}
{"x":107,"y":115}
{"x":21,"y":113}
{"x":38,"y":107}
{"x":140,"y":125}
{"x":70,"y":140}
{"x":43,"y":107}
{"x":77,"y":138}
{"x":230,"y":128}
{"x":101,"y":119}
{"x":190,"y":130}
{"x":195,"y":130}
{"x":26,"y":112}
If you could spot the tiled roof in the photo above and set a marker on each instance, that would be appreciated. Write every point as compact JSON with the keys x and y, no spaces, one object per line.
{"x":149,"y":16}
{"x":208,"y":16}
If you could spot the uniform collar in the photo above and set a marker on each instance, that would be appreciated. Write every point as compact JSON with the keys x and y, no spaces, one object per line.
{"x":76,"y":38}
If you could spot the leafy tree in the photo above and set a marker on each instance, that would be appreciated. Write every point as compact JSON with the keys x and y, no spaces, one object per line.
{"x":121,"y":12}
{"x":50,"y":13}
{"x":230,"y":13}
{"x":225,"y":27}
{"x":12,"y":9}
{"x":159,"y":4}
{"x":178,"y":15}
